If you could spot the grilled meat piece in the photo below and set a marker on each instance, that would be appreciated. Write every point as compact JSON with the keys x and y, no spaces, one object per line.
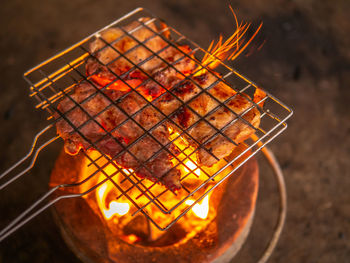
{"x":123,"y":52}
{"x":108,"y":109}
{"x":221,"y":130}
{"x":236,"y":120}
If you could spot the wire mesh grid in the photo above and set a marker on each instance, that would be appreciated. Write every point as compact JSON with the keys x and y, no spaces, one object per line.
{"x":55,"y":80}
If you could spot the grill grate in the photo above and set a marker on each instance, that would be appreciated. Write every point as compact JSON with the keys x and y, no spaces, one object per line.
{"x":54,"y":79}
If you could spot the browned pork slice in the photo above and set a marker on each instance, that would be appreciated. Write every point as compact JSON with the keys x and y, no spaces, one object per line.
{"x":169,"y":88}
{"x":145,"y":46}
{"x":216,"y":120}
{"x":100,"y":120}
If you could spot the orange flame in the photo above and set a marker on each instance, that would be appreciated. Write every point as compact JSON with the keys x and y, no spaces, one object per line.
{"x":193,"y":167}
{"x":201,"y":209}
{"x":114,"y":207}
{"x":229,"y":49}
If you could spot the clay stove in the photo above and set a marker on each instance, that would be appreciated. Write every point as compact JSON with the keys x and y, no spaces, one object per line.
{"x":96,"y":236}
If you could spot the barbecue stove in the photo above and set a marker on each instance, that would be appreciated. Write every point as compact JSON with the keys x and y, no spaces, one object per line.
{"x":106,"y":212}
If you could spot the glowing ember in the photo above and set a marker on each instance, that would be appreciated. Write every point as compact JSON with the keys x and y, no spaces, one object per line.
{"x":128,"y":171}
{"x":132,"y":238}
{"x":193,"y":167}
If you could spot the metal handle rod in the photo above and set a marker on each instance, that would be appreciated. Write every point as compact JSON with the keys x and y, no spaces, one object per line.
{"x":17,"y":223}
{"x":20,"y":220}
{"x":30,"y":153}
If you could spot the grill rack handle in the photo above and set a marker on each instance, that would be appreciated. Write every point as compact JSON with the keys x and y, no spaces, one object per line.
{"x":35,"y":209}
{"x":8,"y":177}
{"x":30,"y":213}
{"x":26,"y":157}
{"x":39,"y":206}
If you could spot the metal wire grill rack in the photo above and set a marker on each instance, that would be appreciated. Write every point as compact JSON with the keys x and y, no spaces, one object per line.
{"x":55,"y":79}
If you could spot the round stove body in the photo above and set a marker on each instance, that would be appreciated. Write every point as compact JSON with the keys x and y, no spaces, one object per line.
{"x":88,"y":236}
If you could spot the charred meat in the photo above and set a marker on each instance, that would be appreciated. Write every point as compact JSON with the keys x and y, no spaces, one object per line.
{"x":123,"y":58}
{"x":217,"y":132}
{"x":136,"y":69}
{"x":95,"y":118}
{"x":217,"y":118}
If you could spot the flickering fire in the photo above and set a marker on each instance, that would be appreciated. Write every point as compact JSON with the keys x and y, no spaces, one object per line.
{"x":193,"y":168}
{"x":201,"y":209}
{"x":230,"y":49}
{"x":114,"y":208}
{"x":118,"y":211}
{"x":112,"y":198}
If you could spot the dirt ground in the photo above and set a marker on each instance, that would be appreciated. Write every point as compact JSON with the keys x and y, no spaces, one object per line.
{"x":305,"y":62}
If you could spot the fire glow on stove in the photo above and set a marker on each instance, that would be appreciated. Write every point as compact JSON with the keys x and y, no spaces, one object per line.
{"x":106,"y":211}
{"x":212,"y":232}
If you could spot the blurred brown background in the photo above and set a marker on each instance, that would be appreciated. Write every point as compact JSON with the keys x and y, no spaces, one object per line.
{"x":305,"y":62}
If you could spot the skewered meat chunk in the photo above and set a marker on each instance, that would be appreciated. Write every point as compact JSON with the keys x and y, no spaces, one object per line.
{"x":236,"y":120}
{"x":108,"y":110}
{"x":214,"y":116}
{"x":213,"y":132}
{"x":123,"y":52}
